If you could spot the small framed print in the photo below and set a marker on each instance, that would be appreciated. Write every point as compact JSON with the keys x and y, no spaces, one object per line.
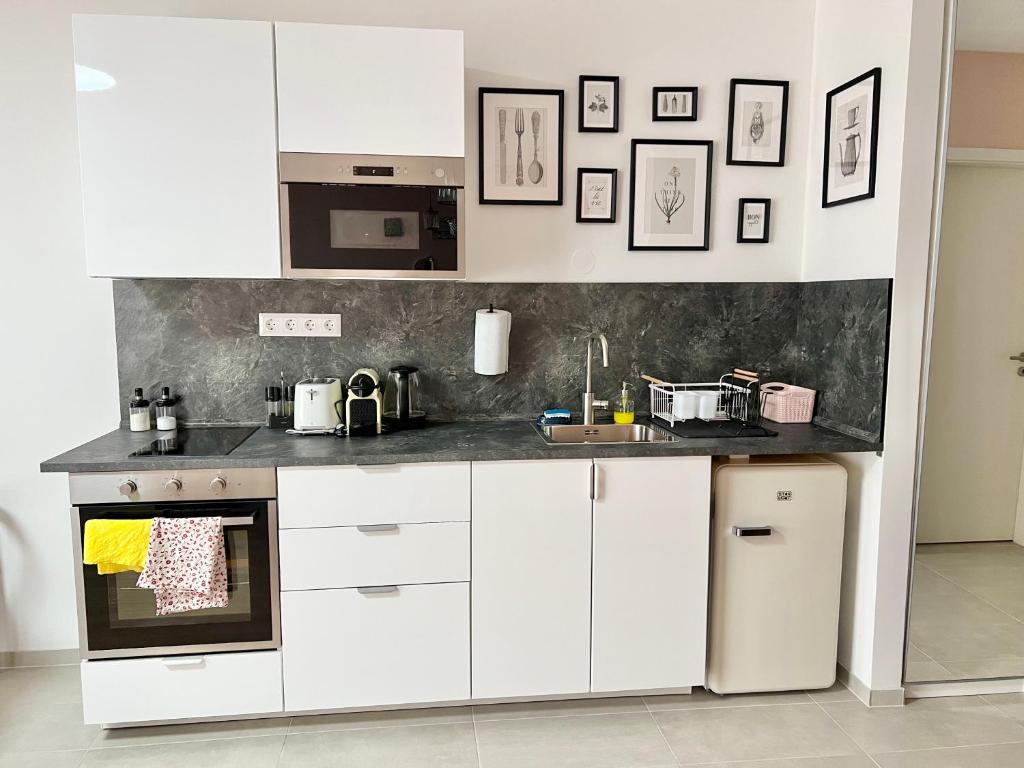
{"x":595,"y":195}
{"x":669,"y":195}
{"x":754,"y":217}
{"x":851,"y":140}
{"x":757,"y":122}
{"x":521,"y":146}
{"x":599,"y":104}
{"x":674,"y":103}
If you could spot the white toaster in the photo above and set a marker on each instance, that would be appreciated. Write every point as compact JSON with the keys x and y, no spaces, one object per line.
{"x":317,"y":404}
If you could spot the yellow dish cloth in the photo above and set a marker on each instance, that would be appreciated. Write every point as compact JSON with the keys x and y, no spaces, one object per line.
{"x":114,"y":546}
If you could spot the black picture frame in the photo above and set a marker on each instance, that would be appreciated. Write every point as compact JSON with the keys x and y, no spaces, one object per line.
{"x":584,"y":107}
{"x":709,"y":163}
{"x":741,"y":210}
{"x":613,"y":173}
{"x":657,"y":91}
{"x":876,"y":98}
{"x":780,"y":160}
{"x":559,"y":95}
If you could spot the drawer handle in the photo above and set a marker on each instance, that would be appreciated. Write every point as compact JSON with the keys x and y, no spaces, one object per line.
{"x":377,"y":590}
{"x":381,"y":528}
{"x":379,"y":468}
{"x":752,"y":530}
{"x":183,"y":662}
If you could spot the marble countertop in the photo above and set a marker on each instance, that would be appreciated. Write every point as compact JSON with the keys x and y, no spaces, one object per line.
{"x":456,"y":441}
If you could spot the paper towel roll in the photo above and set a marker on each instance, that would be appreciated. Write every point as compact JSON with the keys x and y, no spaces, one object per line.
{"x":490,"y":350}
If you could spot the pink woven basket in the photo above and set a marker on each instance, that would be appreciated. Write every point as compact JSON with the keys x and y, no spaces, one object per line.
{"x":787,"y":404}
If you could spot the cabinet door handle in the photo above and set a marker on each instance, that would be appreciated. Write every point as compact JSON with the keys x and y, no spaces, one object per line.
{"x":381,"y":528}
{"x":180,"y":662}
{"x":593,"y":481}
{"x":752,"y":530}
{"x":376,"y":590}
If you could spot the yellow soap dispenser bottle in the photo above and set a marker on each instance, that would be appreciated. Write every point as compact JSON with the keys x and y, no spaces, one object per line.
{"x":624,"y":406}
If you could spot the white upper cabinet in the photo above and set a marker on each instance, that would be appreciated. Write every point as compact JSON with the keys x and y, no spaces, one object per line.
{"x":370,"y":90}
{"x":178,"y":148}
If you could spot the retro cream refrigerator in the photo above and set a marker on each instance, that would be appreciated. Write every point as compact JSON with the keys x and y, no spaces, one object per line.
{"x":777,"y":555}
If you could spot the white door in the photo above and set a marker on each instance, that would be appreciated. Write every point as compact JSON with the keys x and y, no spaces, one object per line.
{"x":974,"y":430}
{"x":178,"y":147}
{"x":650,"y":581}
{"x":531,"y":578}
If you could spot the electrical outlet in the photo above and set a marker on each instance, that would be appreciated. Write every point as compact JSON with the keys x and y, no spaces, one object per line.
{"x":299,"y":324}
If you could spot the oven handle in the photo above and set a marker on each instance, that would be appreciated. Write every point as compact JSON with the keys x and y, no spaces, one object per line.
{"x":226,"y":521}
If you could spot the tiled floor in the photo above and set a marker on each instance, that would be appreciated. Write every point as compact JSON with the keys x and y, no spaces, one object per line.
{"x":40,"y":727}
{"x":967,"y":612}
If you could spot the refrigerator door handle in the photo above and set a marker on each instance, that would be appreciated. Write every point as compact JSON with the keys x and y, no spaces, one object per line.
{"x":752,"y":530}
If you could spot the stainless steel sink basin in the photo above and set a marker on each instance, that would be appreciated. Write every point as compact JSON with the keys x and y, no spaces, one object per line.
{"x":579,"y":434}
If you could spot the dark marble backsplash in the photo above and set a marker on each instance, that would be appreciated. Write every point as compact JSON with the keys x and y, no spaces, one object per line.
{"x":200,"y":338}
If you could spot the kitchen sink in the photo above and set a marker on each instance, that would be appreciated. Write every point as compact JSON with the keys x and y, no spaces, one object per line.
{"x":582,"y":434}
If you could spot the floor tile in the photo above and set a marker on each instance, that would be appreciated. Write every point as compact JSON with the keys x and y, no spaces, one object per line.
{"x":424,"y":746}
{"x":607,"y":706}
{"x":925,"y":723}
{"x":67,"y":759}
{"x":44,"y":723}
{"x":163,"y":734}
{"x":997,"y":756}
{"x":1011,"y":666}
{"x":839,"y":761}
{"x":704,"y":699}
{"x":959,"y":641}
{"x":753,"y":733}
{"x":260,"y":752}
{"x":355,"y":720}
{"x":1010,"y":704}
{"x":922,"y":671}
{"x":838,"y":692}
{"x":601,"y":741}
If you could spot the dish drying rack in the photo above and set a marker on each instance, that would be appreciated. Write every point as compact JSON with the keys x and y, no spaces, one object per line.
{"x":738,"y":398}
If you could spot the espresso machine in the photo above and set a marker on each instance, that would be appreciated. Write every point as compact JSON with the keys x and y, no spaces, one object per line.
{"x":363,"y":410}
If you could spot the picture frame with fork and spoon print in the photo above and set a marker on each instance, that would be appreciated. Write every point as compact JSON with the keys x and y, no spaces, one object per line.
{"x":521,"y":146}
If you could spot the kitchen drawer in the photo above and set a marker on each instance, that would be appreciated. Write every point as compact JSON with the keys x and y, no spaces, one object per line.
{"x":418,"y":553}
{"x":173,"y":687}
{"x":343,"y":648}
{"x":315,"y":497}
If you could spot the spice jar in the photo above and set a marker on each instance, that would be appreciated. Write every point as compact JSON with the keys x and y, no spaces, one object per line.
{"x":165,"y":407}
{"x":138,"y":412}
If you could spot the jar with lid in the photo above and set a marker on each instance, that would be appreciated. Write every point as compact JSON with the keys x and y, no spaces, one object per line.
{"x":274,"y":403}
{"x":165,"y":407}
{"x":138,"y":412}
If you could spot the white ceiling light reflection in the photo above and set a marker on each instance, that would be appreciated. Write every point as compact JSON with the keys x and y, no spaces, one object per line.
{"x":89,"y":79}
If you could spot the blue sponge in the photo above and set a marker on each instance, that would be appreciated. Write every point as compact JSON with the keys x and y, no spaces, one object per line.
{"x":555,"y":416}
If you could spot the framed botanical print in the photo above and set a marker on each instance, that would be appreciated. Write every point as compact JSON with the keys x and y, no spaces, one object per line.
{"x":851,"y":140}
{"x":669,"y":195}
{"x":757,"y":122}
{"x":674,"y":103}
{"x":599,"y":104}
{"x":754,"y":217}
{"x":521,"y":146}
{"x":595,"y":195}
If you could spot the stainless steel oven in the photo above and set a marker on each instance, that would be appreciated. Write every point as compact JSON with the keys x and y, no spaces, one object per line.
{"x":116,"y":619}
{"x":378,"y":216}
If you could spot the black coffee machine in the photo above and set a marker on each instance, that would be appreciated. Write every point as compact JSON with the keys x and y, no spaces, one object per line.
{"x":401,"y":402}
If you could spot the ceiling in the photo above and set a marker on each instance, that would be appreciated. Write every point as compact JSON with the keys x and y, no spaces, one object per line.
{"x":990,"y":25}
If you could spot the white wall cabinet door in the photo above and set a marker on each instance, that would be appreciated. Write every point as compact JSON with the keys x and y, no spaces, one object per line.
{"x":179,"y":153}
{"x":650,"y":581}
{"x":531,"y":578}
{"x":370,"y":90}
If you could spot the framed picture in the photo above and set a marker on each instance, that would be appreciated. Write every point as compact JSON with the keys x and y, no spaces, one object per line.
{"x":521,"y":146}
{"x":754,"y":217}
{"x":596,"y":195}
{"x":599,"y":104}
{"x":757,"y":122}
{"x":674,"y":103}
{"x":851,"y":140}
{"x":669,"y":195}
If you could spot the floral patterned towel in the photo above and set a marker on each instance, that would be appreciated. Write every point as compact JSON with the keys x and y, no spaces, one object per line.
{"x":186,"y":567}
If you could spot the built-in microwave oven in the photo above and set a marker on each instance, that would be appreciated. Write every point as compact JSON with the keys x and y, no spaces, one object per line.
{"x":381,"y":216}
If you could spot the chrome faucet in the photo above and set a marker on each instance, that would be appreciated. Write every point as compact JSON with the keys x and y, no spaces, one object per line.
{"x":589,"y":403}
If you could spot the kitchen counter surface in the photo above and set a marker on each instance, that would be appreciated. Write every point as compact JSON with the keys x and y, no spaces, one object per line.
{"x":457,"y":441}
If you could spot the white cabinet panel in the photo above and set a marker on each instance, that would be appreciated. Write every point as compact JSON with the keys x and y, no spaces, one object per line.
{"x":370,"y":90}
{"x":313,"y":497}
{"x":531,"y":578}
{"x":179,"y":157}
{"x":176,"y":687}
{"x":343,"y":649}
{"x":650,"y":581}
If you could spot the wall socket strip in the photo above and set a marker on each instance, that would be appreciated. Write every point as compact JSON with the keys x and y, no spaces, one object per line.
{"x":298,"y":324}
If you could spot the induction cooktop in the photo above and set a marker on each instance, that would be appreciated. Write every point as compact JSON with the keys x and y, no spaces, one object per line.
{"x":196,"y":442}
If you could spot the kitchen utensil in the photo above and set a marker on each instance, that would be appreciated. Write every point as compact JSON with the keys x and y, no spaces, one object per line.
{"x":316,"y":404}
{"x":363,"y":405}
{"x":707,"y":405}
{"x":401,"y":398}
{"x":502,"y":169}
{"x":520,"y":128}
{"x":536,"y":170}
{"x":685,"y":405}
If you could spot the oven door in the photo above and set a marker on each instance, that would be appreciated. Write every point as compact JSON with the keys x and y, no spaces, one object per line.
{"x":117,"y":619}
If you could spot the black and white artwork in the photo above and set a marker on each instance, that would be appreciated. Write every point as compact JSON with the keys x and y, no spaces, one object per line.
{"x":674,"y":103}
{"x":754,"y":217}
{"x":595,"y":195}
{"x":757,"y":122}
{"x":599,"y":104}
{"x":851,"y":140}
{"x":521,"y":146}
{"x":670,"y":195}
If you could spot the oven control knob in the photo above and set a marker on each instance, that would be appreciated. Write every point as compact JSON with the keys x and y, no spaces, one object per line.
{"x":439,"y":172}
{"x":218,"y":485}
{"x":173,"y":485}
{"x":127,"y":487}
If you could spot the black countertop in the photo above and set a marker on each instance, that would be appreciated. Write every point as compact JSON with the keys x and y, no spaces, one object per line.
{"x":457,"y":441}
